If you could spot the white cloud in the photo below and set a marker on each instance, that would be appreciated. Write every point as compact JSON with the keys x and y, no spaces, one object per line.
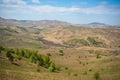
{"x":36,"y":1}
{"x":100,"y":9}
{"x":20,"y":5}
{"x":17,"y":2}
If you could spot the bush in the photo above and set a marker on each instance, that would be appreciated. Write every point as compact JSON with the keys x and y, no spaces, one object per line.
{"x":66,"y":68}
{"x":93,"y":41}
{"x":85,"y":73}
{"x":2,"y":48}
{"x":61,"y":52}
{"x":52,"y":67}
{"x":75,"y":74}
{"x":46,"y":61}
{"x":48,"y":54}
{"x":38,"y":69}
{"x":18,"y":57}
{"x":98,"y":55}
{"x":96,"y":76}
{"x":10,"y":56}
{"x":90,"y":69}
{"x":76,"y":42}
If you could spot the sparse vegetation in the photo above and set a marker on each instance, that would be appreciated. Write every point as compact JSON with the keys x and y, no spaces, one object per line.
{"x":90,"y":69}
{"x":52,"y":67}
{"x":85,"y":73}
{"x":96,"y":76}
{"x":94,"y":42}
{"x":61,"y":52}
{"x":76,"y":42}
{"x":98,"y":55}
{"x":38,"y":69}
{"x":75,"y":74}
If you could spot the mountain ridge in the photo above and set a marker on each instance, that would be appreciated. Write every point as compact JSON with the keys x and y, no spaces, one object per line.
{"x":48,"y":23}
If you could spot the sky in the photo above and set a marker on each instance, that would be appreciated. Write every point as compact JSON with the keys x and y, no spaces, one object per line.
{"x":73,"y":11}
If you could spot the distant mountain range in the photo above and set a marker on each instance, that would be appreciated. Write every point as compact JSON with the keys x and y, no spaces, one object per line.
{"x":46,"y":23}
{"x":32,"y":23}
{"x":97,"y":23}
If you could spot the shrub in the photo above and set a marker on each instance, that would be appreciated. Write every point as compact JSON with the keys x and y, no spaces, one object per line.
{"x":93,"y":41}
{"x":40,"y":61}
{"x":10,"y":56}
{"x":46,"y":61}
{"x":75,"y":74}
{"x":61,"y":52}
{"x":76,"y":42}
{"x":90,"y":69}
{"x":96,"y":76}
{"x":52,"y":67}
{"x":2,"y":48}
{"x":18,"y":57}
{"x":85,"y":72}
{"x":98,"y":55}
{"x":48,"y":54}
{"x":38,"y":69}
{"x":83,"y":64}
{"x":80,"y":62}
{"x":66,"y":68}
{"x":32,"y":59}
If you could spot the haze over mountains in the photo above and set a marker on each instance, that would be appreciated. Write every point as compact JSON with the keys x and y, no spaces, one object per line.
{"x":47,"y":23}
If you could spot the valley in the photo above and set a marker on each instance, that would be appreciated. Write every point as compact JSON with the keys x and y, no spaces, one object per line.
{"x":78,"y":52}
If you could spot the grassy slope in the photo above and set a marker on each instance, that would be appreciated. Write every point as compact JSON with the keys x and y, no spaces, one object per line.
{"x":78,"y":62}
{"x":19,"y":37}
{"x":109,"y":36}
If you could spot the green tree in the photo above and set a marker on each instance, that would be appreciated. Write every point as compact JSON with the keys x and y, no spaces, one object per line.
{"x":10,"y":56}
{"x":46,"y":61}
{"x":31,"y":58}
{"x":40,"y":61}
{"x":52,"y":67}
{"x":2,"y":48}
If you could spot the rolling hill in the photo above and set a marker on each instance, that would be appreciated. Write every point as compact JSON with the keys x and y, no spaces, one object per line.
{"x":87,"y":51}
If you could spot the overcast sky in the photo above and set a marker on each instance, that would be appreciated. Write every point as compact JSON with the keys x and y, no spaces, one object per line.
{"x":73,"y":11}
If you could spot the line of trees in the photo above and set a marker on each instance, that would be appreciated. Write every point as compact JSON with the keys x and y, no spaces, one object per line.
{"x":31,"y":55}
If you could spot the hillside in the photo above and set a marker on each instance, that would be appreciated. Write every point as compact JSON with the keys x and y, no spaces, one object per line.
{"x":79,"y":52}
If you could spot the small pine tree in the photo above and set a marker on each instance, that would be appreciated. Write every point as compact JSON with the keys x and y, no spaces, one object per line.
{"x":10,"y":56}
{"x":31,"y":58}
{"x":46,"y":61}
{"x":52,"y":67}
